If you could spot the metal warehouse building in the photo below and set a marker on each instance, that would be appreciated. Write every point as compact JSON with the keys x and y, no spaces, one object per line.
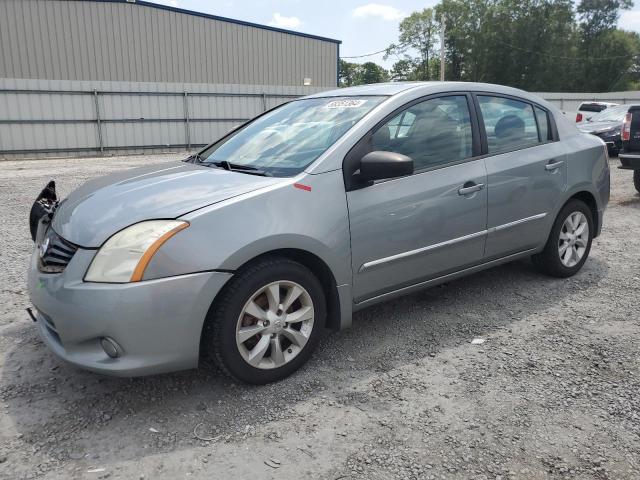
{"x":92,"y":76}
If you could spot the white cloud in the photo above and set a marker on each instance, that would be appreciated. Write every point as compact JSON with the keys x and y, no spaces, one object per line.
{"x":281,"y":21}
{"x":385,"y":12}
{"x":630,"y":20}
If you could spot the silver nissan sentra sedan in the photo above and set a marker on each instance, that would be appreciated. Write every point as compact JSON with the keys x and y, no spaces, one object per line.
{"x":330,"y":203}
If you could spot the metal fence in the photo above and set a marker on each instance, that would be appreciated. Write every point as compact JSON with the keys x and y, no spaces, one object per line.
{"x":40,"y":118}
{"x":569,"y":102}
{"x":53,"y":121}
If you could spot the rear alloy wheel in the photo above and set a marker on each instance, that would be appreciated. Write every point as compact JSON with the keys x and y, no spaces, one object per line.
{"x":266,"y":322}
{"x":574,"y":238}
{"x":569,"y":242}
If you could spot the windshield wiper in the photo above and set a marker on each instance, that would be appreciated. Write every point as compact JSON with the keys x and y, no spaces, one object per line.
{"x":235,"y":167}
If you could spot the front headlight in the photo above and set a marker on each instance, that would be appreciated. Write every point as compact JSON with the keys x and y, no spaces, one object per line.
{"x":125,"y":256}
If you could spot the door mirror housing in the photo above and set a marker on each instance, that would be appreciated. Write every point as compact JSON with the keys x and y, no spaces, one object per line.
{"x":379,"y":165}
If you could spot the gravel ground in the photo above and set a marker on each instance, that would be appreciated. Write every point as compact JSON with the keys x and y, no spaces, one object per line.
{"x":552,"y":393}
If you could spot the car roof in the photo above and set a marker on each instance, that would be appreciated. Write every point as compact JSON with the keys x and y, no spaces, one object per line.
{"x":595,"y":102}
{"x":389,"y":88}
{"x":621,"y":107}
{"x":425,"y":88}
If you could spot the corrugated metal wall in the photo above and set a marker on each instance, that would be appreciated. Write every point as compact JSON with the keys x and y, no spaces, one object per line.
{"x":48,"y":117}
{"x":569,"y":102}
{"x":135,"y":42}
{"x":82,"y":77}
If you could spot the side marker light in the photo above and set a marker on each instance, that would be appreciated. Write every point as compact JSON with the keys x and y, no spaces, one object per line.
{"x":302,"y":186}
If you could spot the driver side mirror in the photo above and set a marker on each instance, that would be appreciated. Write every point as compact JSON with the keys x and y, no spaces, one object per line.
{"x":380,"y":165}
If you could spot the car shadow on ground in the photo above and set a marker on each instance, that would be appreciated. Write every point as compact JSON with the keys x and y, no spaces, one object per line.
{"x":59,"y":410}
{"x":631,"y":202}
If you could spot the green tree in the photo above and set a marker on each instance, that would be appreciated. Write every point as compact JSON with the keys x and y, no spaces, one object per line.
{"x":370,"y":72}
{"x":352,"y":74}
{"x":403,"y":70}
{"x":348,"y":73}
{"x":613,"y":62}
{"x":417,"y":43}
{"x":468,"y":33}
{"x":597,"y":16}
{"x":537,"y":45}
{"x":506,"y":41}
{"x":601,"y":44}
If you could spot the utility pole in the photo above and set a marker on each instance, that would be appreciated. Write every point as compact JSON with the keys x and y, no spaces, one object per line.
{"x":442,"y":50}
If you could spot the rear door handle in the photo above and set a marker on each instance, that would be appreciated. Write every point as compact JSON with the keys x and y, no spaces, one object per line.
{"x":552,"y":165}
{"x":470,"y":187}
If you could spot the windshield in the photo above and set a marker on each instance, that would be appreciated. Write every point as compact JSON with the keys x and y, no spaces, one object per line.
{"x":611,"y":114}
{"x":286,"y":140}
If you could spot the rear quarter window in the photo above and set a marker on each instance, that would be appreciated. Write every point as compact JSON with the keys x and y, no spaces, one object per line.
{"x":543,"y":124}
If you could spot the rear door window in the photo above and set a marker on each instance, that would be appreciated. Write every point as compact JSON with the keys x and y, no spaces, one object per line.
{"x":510,"y":124}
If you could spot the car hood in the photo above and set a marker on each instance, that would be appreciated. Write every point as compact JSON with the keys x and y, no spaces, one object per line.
{"x":595,"y":127}
{"x":101,"y":207}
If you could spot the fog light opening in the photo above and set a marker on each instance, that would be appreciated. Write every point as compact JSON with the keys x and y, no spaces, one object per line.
{"x":110,"y":347}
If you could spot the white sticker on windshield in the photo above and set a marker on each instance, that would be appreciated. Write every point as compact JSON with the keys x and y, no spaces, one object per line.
{"x":345,"y":103}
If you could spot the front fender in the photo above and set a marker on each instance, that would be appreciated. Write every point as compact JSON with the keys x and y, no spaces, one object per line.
{"x":225,"y":236}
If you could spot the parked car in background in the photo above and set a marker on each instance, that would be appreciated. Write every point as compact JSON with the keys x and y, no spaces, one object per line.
{"x":587,"y":109}
{"x":630,"y":153}
{"x":608,"y":126}
{"x":246,"y":252}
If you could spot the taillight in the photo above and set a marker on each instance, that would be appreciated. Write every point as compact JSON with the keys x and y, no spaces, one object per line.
{"x":626,"y":127}
{"x":578,"y":117}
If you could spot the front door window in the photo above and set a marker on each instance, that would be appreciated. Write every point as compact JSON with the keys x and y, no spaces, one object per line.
{"x":433,"y":132}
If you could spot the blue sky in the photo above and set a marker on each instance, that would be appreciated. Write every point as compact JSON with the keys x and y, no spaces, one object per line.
{"x":363,"y":26}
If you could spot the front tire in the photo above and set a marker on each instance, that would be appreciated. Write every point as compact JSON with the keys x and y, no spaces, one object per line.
{"x":266,"y":322}
{"x":569,"y":242}
{"x":636,"y":180}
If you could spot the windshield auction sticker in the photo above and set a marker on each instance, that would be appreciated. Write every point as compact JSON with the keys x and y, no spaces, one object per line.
{"x":345,"y":103}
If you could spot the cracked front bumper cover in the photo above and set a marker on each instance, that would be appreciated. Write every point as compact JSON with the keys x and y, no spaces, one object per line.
{"x":157,"y":323}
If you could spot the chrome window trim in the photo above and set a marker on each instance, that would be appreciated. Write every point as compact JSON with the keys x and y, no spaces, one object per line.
{"x":381,"y":261}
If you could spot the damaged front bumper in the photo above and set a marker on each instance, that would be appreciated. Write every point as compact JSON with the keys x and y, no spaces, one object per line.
{"x":156,"y":325}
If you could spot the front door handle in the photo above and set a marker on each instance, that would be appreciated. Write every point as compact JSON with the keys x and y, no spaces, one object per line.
{"x":552,"y":165}
{"x":470,"y":187}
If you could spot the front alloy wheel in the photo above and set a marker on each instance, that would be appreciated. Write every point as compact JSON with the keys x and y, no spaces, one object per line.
{"x":266,"y":321}
{"x":275,"y":324}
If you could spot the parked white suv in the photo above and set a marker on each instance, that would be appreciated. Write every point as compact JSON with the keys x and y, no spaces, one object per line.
{"x":587,"y":109}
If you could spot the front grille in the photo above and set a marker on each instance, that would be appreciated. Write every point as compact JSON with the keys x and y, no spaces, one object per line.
{"x":55,"y":252}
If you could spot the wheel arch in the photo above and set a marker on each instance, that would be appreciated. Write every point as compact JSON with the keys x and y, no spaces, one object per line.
{"x":590,"y":200}
{"x":319,"y":268}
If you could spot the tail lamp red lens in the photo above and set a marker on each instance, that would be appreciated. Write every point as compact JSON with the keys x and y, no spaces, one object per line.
{"x":578,"y":117}
{"x":626,"y":127}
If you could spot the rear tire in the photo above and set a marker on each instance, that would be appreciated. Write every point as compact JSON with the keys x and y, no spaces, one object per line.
{"x":636,"y":180}
{"x":569,"y":242}
{"x":257,"y":299}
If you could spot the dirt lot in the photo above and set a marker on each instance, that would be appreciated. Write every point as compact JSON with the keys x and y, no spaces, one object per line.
{"x":553,"y":393}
